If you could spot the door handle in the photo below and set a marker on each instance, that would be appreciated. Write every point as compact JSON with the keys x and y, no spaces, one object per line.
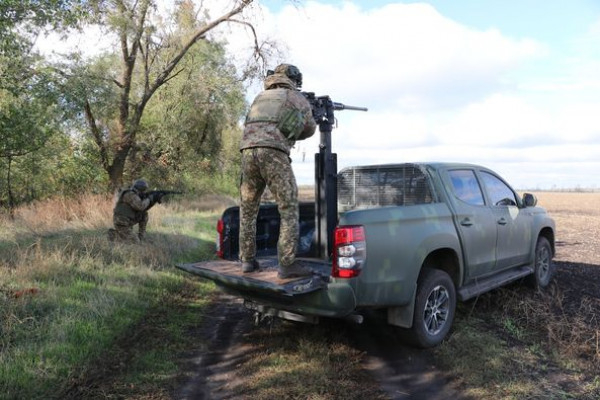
{"x":502,"y":221}
{"x":466,"y":222}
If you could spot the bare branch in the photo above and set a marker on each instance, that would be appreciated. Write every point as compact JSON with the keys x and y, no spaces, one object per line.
{"x":257,"y":49}
{"x":174,"y":75}
{"x":92,"y":76}
{"x":200,"y":34}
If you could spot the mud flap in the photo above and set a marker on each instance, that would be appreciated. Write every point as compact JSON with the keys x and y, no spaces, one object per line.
{"x":403,"y":316}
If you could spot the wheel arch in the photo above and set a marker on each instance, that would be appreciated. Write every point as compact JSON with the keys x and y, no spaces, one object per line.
{"x":447,"y":260}
{"x":444,"y":259}
{"x":548,"y":233}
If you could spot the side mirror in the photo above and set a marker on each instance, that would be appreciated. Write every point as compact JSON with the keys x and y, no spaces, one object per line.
{"x":529,"y":200}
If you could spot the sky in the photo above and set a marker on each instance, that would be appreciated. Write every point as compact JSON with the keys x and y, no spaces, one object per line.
{"x":513,"y":85}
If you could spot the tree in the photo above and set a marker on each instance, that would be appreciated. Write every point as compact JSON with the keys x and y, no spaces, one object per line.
{"x":29,"y":112}
{"x":187,"y":128}
{"x":27,"y":119}
{"x":148,"y":59}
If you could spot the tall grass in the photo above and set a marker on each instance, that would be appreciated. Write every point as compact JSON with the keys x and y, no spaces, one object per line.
{"x":68,"y":295}
{"x":517,"y":343}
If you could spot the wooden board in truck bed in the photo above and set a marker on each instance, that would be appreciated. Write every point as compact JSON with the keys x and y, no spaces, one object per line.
{"x":229,"y":274}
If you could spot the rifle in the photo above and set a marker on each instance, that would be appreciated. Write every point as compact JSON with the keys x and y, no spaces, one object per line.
{"x":325,"y":172}
{"x":156,"y":196}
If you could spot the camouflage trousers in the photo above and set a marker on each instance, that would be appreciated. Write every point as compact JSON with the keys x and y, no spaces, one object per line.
{"x":124,"y":228}
{"x":262,"y":167}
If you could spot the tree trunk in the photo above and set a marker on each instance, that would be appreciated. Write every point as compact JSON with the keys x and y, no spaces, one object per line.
{"x":116,"y":170}
{"x":11,"y":197}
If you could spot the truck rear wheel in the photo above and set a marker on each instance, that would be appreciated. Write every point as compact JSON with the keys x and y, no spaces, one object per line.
{"x":435,"y":305}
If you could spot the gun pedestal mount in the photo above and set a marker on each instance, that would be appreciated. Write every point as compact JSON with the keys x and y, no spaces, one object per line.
{"x":325,"y":173}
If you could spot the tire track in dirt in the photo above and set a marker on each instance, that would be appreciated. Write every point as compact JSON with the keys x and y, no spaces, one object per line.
{"x":212,"y":371}
{"x":403,"y":372}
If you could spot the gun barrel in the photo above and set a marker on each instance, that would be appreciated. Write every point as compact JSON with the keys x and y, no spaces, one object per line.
{"x":340,"y":106}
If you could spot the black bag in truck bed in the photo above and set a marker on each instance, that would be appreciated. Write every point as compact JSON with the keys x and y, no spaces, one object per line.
{"x":267,"y":231}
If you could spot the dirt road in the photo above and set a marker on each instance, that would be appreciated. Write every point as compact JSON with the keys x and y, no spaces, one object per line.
{"x":401,"y":371}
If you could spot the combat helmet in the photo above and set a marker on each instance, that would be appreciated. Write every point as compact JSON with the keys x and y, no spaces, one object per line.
{"x":284,"y":75}
{"x":140,"y":185}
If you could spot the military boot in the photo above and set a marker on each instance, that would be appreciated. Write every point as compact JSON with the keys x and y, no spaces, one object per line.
{"x":295,"y":270}
{"x":250,"y":266}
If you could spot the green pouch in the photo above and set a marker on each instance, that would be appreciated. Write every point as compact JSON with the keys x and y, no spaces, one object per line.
{"x":291,"y":124}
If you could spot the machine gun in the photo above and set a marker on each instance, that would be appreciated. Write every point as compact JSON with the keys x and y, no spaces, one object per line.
{"x":156,"y":196}
{"x":325,"y":172}
{"x":323,"y":108}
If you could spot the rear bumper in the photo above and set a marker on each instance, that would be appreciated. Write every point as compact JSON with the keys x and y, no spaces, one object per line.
{"x":334,"y":300}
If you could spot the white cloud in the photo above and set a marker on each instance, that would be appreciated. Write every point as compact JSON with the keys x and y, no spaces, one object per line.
{"x":441,"y":91}
{"x":405,"y":56}
{"x":498,"y":120}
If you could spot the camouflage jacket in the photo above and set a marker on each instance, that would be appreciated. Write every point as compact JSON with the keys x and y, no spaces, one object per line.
{"x":130,"y":205}
{"x":267,"y":134}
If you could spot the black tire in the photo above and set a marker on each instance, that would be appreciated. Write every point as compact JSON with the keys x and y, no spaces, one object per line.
{"x":435,"y":305}
{"x":543,"y":268}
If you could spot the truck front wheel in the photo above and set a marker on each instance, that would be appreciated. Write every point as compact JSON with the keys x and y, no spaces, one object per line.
{"x":544,"y":267}
{"x":435,"y":305}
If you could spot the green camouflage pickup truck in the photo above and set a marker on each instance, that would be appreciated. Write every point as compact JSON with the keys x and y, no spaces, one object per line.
{"x":407,"y":239}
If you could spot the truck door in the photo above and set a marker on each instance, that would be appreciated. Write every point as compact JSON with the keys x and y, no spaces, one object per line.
{"x":514,"y":224}
{"x":475,"y":223}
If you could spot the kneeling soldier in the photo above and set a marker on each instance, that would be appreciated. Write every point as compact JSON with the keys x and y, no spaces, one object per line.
{"x":131,"y":209}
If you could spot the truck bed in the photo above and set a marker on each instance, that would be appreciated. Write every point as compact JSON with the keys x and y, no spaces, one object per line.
{"x":228,"y":274}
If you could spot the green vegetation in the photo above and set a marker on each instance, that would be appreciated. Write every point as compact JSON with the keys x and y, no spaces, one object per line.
{"x":74,"y":307}
{"x":164,"y":103}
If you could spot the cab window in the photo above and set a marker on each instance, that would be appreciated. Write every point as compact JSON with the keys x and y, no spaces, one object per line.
{"x":466,"y":187}
{"x":500,"y":194}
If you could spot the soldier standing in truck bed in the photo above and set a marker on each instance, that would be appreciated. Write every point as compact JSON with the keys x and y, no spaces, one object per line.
{"x":278,"y":117}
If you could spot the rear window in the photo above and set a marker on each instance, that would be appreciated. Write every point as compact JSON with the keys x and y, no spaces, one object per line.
{"x":380,"y":186}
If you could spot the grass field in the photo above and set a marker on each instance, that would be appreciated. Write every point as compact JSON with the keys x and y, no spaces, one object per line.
{"x":73,"y":305}
{"x":577,"y":216}
{"x":81,"y":318}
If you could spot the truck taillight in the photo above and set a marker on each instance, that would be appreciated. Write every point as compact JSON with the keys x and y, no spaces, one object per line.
{"x":220,"y":238}
{"x":349,"y":251}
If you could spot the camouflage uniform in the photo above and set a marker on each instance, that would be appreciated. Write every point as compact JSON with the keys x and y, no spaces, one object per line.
{"x":129,"y":211}
{"x":278,"y":117}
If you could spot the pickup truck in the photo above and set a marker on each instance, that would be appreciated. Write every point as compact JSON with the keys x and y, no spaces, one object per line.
{"x":408,"y":239}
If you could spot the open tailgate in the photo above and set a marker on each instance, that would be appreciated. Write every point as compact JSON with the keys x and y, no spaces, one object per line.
{"x":229,"y":274}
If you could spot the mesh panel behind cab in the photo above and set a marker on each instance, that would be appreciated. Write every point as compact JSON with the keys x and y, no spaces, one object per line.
{"x":383,"y":185}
